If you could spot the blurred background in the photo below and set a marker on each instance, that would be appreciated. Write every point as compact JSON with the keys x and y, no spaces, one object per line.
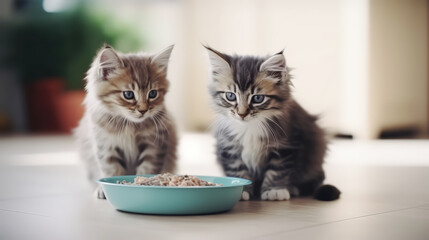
{"x":362,"y":65}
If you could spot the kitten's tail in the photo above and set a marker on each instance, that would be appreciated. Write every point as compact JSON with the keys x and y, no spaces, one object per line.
{"x":327,"y":193}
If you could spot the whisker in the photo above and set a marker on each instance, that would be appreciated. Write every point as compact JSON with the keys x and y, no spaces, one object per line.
{"x":110,"y":121}
{"x":271,"y":131}
{"x":276,"y":124}
{"x":222,"y":127}
{"x":161,"y":122}
{"x":262,"y":131}
{"x":268,"y":132}
{"x":156,"y":128}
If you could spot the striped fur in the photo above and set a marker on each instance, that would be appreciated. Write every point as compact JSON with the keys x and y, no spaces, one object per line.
{"x":119,"y":136}
{"x":275,"y":143}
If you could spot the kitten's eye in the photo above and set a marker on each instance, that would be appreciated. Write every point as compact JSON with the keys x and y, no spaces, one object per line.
{"x":153,"y":93}
{"x":128,"y":95}
{"x":230,"y":96}
{"x":258,"y":98}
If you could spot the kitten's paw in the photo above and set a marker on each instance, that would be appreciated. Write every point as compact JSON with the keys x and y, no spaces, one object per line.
{"x":276,"y":194}
{"x":99,"y":193}
{"x":245,"y":196}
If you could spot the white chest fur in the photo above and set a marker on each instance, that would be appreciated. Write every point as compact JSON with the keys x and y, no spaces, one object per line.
{"x":252,"y":151}
{"x":127,"y":142}
{"x":124,"y":140}
{"x":253,"y":147}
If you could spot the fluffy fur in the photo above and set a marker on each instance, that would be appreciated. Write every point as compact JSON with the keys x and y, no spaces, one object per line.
{"x":119,"y":136}
{"x":273,"y":142}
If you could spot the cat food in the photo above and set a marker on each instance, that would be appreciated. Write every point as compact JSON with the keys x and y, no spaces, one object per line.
{"x":168,"y":179}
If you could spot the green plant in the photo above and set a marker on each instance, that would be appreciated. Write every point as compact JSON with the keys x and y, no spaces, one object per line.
{"x":62,"y":45}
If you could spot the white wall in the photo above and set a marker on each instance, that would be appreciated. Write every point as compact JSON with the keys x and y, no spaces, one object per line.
{"x":353,"y":68}
{"x":398,"y":64}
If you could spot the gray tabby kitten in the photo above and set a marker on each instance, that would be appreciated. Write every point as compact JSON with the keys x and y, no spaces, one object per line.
{"x":262,"y":133}
{"x":126,"y":128}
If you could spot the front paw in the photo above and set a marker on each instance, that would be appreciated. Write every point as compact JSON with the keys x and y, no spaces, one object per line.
{"x":99,"y":193}
{"x":281,"y":194}
{"x":245,"y":196}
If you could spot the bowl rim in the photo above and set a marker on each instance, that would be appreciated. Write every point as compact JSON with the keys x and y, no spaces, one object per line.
{"x":243,"y":182}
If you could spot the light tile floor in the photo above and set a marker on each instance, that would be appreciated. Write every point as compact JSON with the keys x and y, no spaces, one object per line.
{"x":44,"y":195}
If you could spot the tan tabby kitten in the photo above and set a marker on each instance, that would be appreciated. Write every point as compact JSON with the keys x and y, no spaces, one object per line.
{"x":126,"y":128}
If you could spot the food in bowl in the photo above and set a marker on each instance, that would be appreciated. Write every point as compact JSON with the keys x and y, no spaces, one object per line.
{"x":171,"y":180}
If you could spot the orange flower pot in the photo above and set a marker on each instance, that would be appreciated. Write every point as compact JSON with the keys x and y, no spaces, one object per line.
{"x":69,"y":110}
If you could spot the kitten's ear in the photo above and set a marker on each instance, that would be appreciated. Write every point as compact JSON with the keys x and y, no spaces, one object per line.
{"x":161,"y":59}
{"x":108,"y":61}
{"x":275,"y":63}
{"x":220,"y":62}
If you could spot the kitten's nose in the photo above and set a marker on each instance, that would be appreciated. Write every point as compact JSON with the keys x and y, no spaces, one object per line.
{"x":242,"y":115}
{"x":242,"y":110}
{"x":142,"y":111}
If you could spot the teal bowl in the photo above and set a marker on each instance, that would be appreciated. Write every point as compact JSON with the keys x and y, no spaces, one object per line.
{"x":173,"y":200}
